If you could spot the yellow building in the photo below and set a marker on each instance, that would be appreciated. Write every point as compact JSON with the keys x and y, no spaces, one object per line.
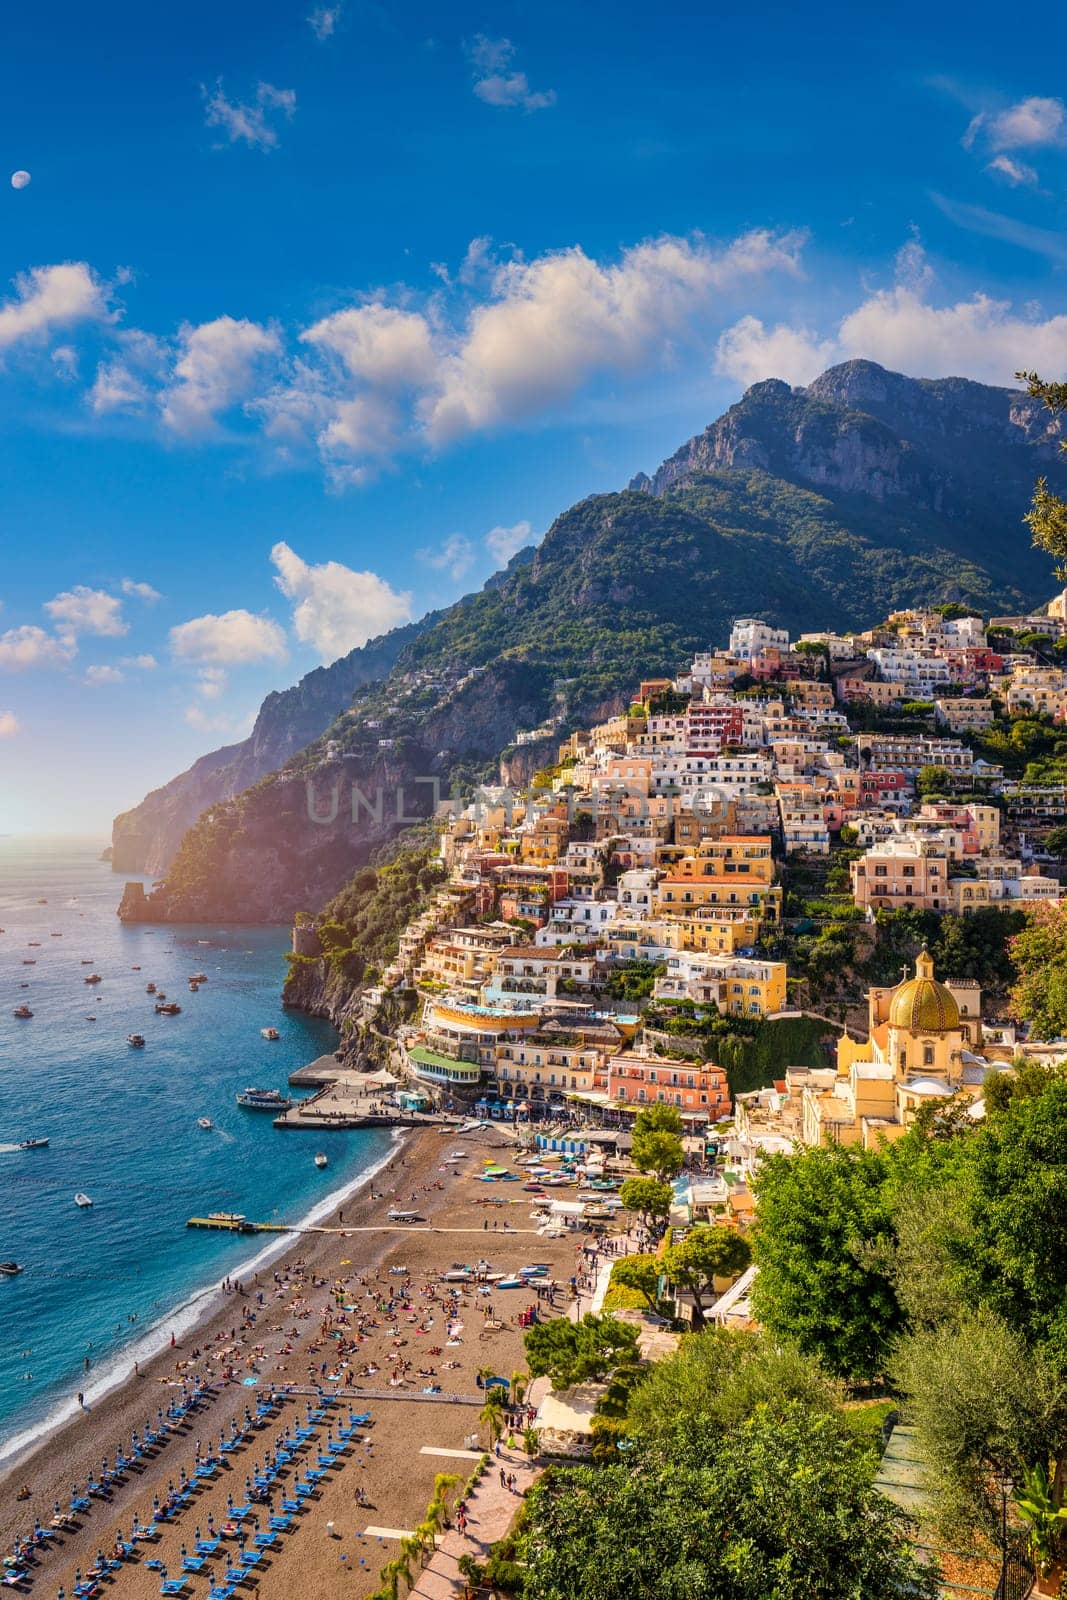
{"x":924,"y":1045}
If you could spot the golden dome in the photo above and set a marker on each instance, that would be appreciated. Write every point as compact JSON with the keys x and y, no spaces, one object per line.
{"x":921,"y":1004}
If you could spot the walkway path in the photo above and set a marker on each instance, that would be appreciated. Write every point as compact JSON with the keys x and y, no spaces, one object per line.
{"x":489,"y":1514}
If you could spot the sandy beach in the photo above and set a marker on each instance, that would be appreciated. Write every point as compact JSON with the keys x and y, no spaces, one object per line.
{"x":338,"y":1310}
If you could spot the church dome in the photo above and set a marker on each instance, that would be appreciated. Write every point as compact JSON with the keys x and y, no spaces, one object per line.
{"x":922,"y":1005}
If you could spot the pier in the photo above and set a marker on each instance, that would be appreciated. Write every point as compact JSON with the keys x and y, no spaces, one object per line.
{"x":344,"y":1099}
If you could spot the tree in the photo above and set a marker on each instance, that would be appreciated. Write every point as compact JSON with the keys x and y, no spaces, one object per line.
{"x":1039,"y":952}
{"x":659,"y":1118}
{"x":703,"y":1255}
{"x":1015,"y":1259}
{"x":640,"y":1273}
{"x":579,"y":1352}
{"x":1027,"y":1077}
{"x":659,"y":1153}
{"x":781,"y":1506}
{"x":1056,"y":842}
{"x":1047,"y":517}
{"x":649,"y":1198}
{"x":982,"y":1402}
{"x":492,"y":1413}
{"x":933,"y":779}
{"x":716,"y":1379}
{"x":818,"y":1212}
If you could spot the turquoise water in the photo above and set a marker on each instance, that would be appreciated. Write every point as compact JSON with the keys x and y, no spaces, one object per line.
{"x":122,"y":1124}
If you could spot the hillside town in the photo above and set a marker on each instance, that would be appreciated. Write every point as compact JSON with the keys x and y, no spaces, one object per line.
{"x":586,"y":929}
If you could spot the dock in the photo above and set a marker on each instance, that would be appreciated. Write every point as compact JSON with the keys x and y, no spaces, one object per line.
{"x":345,"y":1098}
{"x":231,"y":1225}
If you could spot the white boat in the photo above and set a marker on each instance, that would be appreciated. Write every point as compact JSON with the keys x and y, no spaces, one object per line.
{"x":270,"y":1033}
{"x":204,"y":1122}
{"x":263,"y":1100}
{"x":82,"y":1200}
{"x":321,"y":1159}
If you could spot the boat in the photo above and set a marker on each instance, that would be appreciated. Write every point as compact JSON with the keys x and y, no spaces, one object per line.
{"x":82,"y":1200}
{"x":149,"y":988}
{"x":33,"y":944}
{"x":511,"y":1283}
{"x":263,"y":1100}
{"x":320,"y":1159}
{"x":232,"y":1219}
{"x":87,"y":961}
{"x":32,"y":1144}
{"x":194,"y":988}
{"x":135,"y":969}
{"x":22,"y":1011}
{"x":94,"y":977}
{"x":136,"y":1039}
{"x":204,"y":1122}
{"x":42,"y":902}
{"x":8,"y":1269}
{"x":270,"y":1033}
{"x":29,"y":962}
{"x":89,"y":1017}
{"x":198,"y":977}
{"x":55,"y":936}
{"x":171,"y":1009}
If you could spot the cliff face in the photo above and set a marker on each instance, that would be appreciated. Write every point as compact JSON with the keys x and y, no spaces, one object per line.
{"x":827,"y":507}
{"x":146,"y":838}
{"x":962,"y":452}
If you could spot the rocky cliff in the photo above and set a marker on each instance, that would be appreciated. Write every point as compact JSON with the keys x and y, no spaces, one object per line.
{"x":146,"y":838}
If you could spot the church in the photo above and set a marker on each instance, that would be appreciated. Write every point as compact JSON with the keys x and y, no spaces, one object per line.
{"x":924,"y":1043}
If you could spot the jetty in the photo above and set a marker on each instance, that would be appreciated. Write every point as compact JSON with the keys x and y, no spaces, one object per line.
{"x":345,"y":1098}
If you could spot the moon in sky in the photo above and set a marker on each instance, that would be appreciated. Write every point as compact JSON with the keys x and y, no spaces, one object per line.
{"x":19,"y":179}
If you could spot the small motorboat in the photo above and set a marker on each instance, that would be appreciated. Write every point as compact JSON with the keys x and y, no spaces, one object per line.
{"x":94,"y":977}
{"x":87,"y":961}
{"x":81,"y":1199}
{"x":205,"y":1123}
{"x":29,"y":962}
{"x":32,"y":1144}
{"x":198,"y":977}
{"x":270,"y":1033}
{"x":136,"y":1039}
{"x":22,"y":1011}
{"x":9,"y":1269}
{"x":89,"y":1017}
{"x":170,"y":1009}
{"x":149,"y":988}
{"x":320,"y":1159}
{"x":23,"y":985}
{"x":43,"y":902}
{"x":33,"y":944}
{"x":194,"y":988}
{"x":55,"y":936}
{"x":511,"y":1283}
{"x":135,"y":969}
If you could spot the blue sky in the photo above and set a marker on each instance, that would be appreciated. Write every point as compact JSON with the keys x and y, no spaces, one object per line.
{"x":310,"y":313}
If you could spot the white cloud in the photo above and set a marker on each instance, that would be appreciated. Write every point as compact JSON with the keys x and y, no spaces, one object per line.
{"x":455,"y":556}
{"x":559,"y":320}
{"x":211,"y":682}
{"x":9,"y":725}
{"x":142,"y":591}
{"x":323,"y":21}
{"x":220,"y":364}
{"x":749,"y":351}
{"x":503,"y":543}
{"x":143,"y":663}
{"x":249,"y":122}
{"x":97,"y":677}
{"x":30,"y":646}
{"x":116,"y":388}
{"x":900,"y":328}
{"x":47,"y":298}
{"x":233,"y":639}
{"x":84,"y":610}
{"x":1028,"y":124}
{"x":385,"y":346}
{"x":496,"y":84}
{"x":220,"y":722}
{"x":337,"y":609}
{"x":65,"y":361}
{"x":1017,"y":173}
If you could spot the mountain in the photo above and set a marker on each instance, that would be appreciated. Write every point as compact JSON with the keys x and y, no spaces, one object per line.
{"x":145,"y":839}
{"x":827,"y":506}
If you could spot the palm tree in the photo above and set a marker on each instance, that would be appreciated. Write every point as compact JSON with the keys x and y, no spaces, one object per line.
{"x":492,"y":1414}
{"x":519,"y":1380}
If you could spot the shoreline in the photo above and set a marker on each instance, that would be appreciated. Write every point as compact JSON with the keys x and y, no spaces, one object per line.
{"x":191,"y":1314}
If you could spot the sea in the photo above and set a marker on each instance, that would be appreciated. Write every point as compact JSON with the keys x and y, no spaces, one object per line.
{"x":106,"y":1285}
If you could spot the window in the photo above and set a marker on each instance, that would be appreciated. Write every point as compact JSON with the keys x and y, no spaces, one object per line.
{"x":928,"y":1054}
